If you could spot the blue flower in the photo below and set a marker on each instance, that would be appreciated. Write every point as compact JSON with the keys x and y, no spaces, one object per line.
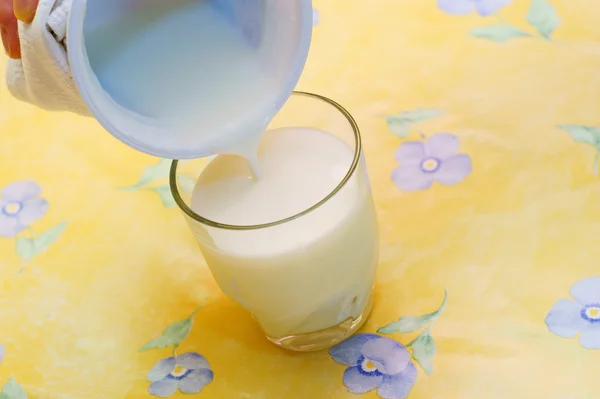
{"x":20,"y":207}
{"x":376,"y":363}
{"x":422,"y":163}
{"x":462,"y":7}
{"x":570,"y":317}
{"x":189,"y":373}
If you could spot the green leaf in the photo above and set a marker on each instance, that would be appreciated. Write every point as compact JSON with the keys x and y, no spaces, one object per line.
{"x":400,"y":124}
{"x":187,"y":183}
{"x":596,"y":162}
{"x":542,"y":16}
{"x":13,"y":390}
{"x":443,"y":305}
{"x":498,"y":33}
{"x":27,"y":248}
{"x":164,"y":192}
{"x":4,"y":396}
{"x":416,"y":115}
{"x":171,"y":336}
{"x":423,"y":351}
{"x":406,"y":324}
{"x":410,"y":324}
{"x":160,"y":170}
{"x":399,"y":127}
{"x":583,"y":134}
{"x":48,"y":237}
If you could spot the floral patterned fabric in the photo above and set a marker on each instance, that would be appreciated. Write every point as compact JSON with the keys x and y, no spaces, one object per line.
{"x":481,"y":129}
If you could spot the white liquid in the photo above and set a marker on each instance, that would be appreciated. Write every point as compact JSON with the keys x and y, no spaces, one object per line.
{"x":183,"y":62}
{"x":304,"y":275}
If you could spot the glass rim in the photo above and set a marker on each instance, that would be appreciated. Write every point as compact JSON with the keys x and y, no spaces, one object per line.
{"x":355,"y":161}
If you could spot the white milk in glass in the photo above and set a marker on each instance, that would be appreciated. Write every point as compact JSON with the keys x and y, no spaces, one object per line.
{"x":304,"y":275}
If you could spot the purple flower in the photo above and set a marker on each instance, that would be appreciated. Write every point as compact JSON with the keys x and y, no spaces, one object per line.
{"x":462,"y":7}
{"x":376,"y":363}
{"x":434,"y":160}
{"x":570,"y":317}
{"x":20,"y":207}
{"x":2,"y":352}
{"x":189,"y":373}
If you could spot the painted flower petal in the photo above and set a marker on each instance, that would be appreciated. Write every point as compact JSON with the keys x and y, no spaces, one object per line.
{"x":2,"y":352}
{"x":32,"y":211}
{"x":441,"y":146}
{"x":357,"y":382}
{"x":410,"y":153}
{"x":192,"y":361}
{"x":389,"y":356}
{"x":195,"y":381}
{"x":489,"y":7}
{"x":411,"y":178}
{"x":564,"y":319}
{"x":590,"y":337}
{"x":587,"y":291}
{"x":456,"y":7}
{"x":454,"y":169}
{"x":9,"y":226}
{"x":161,"y":369}
{"x":163,"y":388}
{"x":348,"y":352}
{"x":398,"y":386}
{"x":21,"y":191}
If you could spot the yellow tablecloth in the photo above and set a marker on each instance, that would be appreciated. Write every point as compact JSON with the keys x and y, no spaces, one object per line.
{"x":481,"y":126}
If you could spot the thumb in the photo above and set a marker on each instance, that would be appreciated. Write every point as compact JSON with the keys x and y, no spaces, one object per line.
{"x":10,"y":39}
{"x":8,"y":29}
{"x":25,"y":9}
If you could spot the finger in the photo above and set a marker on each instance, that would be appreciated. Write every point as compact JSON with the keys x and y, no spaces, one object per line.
{"x":10,"y":39}
{"x":8,"y":29}
{"x":25,"y":9}
{"x":6,"y":12}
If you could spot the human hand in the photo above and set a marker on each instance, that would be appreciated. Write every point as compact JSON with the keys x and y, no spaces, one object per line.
{"x":10,"y":11}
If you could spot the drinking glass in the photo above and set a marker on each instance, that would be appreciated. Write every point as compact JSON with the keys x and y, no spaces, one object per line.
{"x":319,"y":291}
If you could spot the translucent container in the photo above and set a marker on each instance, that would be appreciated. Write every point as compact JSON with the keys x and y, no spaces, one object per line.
{"x":186,"y":78}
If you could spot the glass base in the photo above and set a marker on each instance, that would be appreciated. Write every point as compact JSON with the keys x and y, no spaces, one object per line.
{"x":324,"y":339}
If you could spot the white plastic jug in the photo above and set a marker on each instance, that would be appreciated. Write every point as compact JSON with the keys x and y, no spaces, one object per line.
{"x":186,"y":78}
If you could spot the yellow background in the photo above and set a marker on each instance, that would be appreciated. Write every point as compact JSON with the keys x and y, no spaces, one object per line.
{"x":507,"y":242}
